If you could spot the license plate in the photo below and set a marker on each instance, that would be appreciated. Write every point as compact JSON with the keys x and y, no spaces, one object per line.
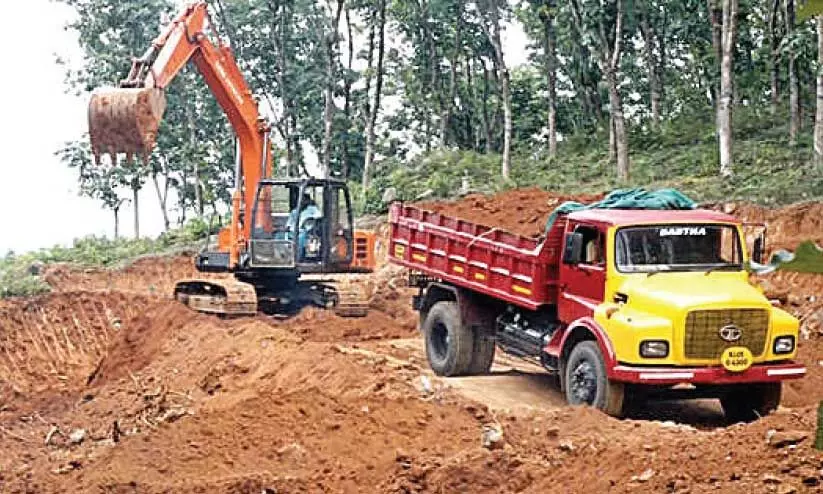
{"x":737,"y":359}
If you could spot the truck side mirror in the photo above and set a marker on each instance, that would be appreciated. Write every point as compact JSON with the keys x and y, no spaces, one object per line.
{"x":758,"y":248}
{"x":573,"y":252}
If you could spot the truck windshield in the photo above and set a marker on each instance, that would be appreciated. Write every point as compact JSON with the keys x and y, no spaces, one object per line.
{"x":650,"y":249}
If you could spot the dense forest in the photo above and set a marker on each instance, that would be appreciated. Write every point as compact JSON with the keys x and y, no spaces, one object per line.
{"x":419,"y":95}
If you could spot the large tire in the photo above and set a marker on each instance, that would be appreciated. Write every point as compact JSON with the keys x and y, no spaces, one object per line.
{"x":483,"y":351}
{"x":449,"y":344}
{"x":586,"y":381}
{"x":747,"y":403}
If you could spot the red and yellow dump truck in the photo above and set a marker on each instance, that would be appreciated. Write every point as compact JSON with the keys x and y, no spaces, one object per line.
{"x":621,"y":304}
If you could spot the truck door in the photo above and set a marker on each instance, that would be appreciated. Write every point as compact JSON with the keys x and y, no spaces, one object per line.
{"x":582,"y":271}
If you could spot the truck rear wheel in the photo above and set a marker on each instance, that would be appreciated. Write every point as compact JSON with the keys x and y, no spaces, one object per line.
{"x":483,"y":352}
{"x":586,"y":382}
{"x":746,"y":404}
{"x":449,"y":344}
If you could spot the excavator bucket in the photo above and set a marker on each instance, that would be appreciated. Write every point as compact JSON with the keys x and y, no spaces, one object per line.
{"x":125,"y":120}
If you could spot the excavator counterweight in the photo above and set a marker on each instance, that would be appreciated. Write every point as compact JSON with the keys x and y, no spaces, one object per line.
{"x":125,"y":120}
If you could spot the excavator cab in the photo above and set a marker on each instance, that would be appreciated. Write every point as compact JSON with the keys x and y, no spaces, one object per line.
{"x":302,"y":224}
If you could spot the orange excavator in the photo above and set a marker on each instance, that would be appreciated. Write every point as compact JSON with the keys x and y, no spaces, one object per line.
{"x":287,"y":235}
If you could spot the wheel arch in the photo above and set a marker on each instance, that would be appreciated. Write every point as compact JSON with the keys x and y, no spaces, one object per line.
{"x":475,"y":309}
{"x":585,"y":329}
{"x":436,"y":292}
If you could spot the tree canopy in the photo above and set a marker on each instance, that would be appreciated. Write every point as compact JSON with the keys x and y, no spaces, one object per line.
{"x":352,"y":84}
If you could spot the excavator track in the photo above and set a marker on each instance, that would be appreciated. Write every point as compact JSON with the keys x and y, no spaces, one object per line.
{"x":221,"y":297}
{"x":351,"y":302}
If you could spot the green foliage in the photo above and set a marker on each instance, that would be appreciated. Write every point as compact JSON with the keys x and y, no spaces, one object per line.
{"x":807,"y":258}
{"x":20,"y":274}
{"x":682,"y":154}
{"x":443,"y":95}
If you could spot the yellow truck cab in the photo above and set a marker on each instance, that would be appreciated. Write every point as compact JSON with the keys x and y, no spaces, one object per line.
{"x":671,"y":295}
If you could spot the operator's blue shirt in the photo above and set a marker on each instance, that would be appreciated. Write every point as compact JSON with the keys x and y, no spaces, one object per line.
{"x":309,"y":212}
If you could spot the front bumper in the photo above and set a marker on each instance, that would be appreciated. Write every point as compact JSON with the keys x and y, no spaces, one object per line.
{"x":758,"y":373}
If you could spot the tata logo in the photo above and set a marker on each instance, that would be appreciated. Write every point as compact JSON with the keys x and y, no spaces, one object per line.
{"x":683,"y":231}
{"x":730,"y":333}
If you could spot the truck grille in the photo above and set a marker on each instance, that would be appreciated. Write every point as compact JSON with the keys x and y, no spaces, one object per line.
{"x":703,"y":339}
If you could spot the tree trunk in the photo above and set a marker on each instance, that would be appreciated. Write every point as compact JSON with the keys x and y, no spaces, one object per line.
{"x":369,"y":71}
{"x":280,"y":23}
{"x":726,"y":100}
{"x":135,"y":189}
{"x":794,"y":89}
{"x":774,"y":54}
{"x":507,"y":125}
{"x":181,"y":197}
{"x":487,"y":128}
{"x":446,"y":110}
{"x":551,"y":73}
{"x":716,"y":19}
{"x":198,"y":196}
{"x":503,"y":76}
{"x":116,"y":212}
{"x":649,"y":41}
{"x":433,"y":95}
{"x":347,"y":97}
{"x":609,"y":61}
{"x":471,"y":130}
{"x":378,"y":89}
{"x":328,"y":113}
{"x":612,"y":141}
{"x":161,"y":199}
{"x":621,"y":141}
{"x":818,"y":120}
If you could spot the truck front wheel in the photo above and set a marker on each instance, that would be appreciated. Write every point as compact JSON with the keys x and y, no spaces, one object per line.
{"x":747,"y":403}
{"x":586,"y":382}
{"x":449,"y":343}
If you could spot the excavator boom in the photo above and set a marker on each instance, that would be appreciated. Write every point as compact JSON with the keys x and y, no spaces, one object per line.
{"x":126,"y":119}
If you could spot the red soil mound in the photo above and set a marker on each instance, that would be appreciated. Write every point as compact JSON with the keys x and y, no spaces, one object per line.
{"x":521,"y":211}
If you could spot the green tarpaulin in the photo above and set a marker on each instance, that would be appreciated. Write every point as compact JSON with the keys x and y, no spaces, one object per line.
{"x":629,"y":199}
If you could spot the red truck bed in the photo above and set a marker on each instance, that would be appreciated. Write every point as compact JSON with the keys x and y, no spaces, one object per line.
{"x":501,"y":264}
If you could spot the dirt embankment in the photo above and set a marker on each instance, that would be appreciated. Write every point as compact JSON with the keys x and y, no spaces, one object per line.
{"x":151,"y":275}
{"x":107,"y":387}
{"x":189,"y":403}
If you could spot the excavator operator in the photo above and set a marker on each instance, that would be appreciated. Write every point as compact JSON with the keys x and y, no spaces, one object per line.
{"x":306,"y":219}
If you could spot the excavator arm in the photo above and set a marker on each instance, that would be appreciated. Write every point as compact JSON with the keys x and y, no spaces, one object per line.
{"x":126,"y":119}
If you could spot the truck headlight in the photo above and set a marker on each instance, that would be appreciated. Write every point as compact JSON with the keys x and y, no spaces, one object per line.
{"x":654,"y":349}
{"x":783,"y":345}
